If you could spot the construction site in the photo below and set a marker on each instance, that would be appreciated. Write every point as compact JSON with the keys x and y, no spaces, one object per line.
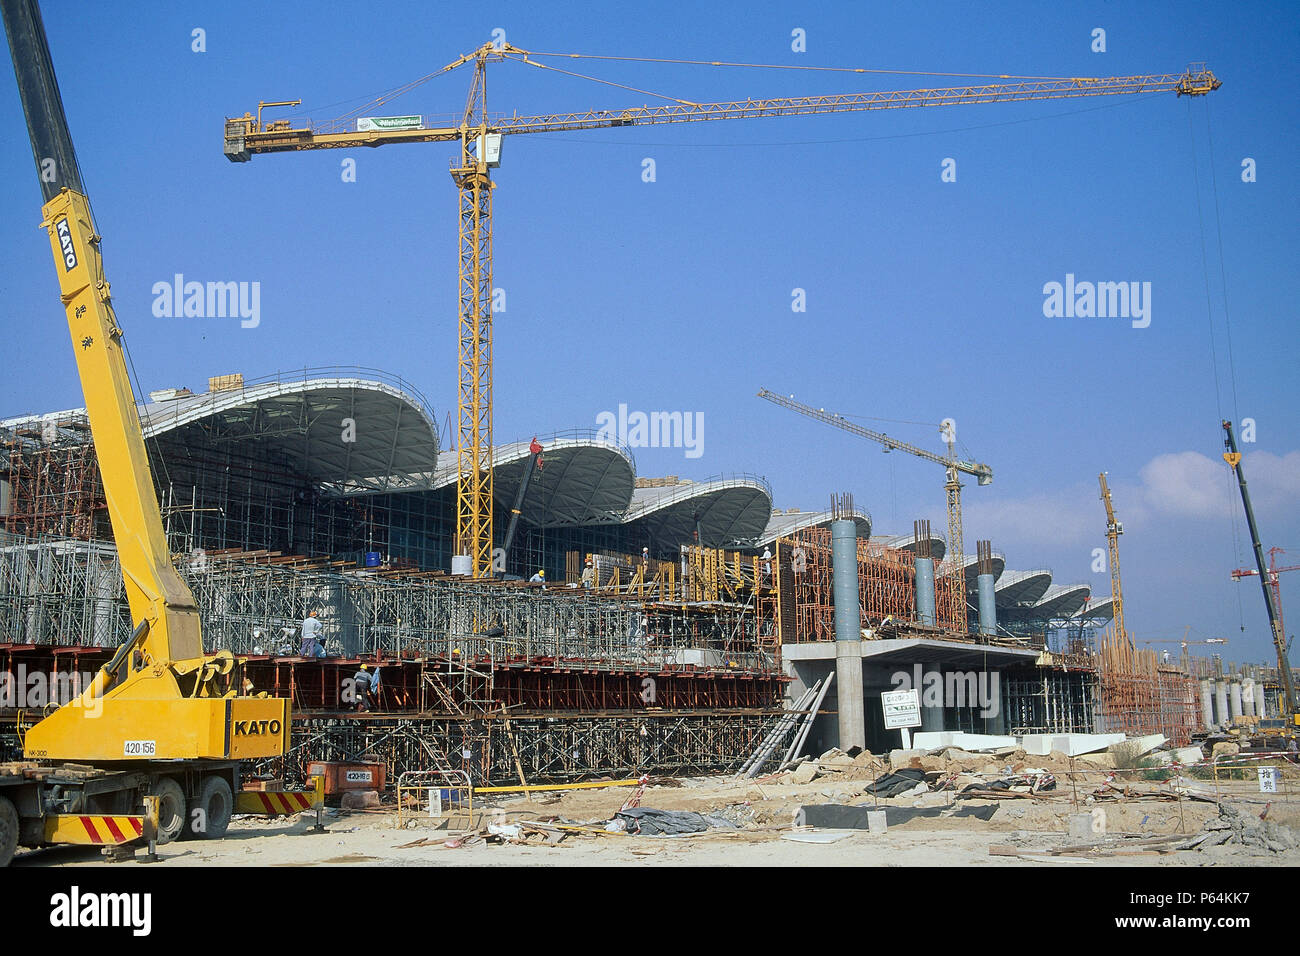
{"x":294,"y":601}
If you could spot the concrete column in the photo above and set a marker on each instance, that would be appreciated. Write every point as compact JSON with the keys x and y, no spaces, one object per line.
{"x":987,"y":605}
{"x":931,"y":717}
{"x":1234,"y":699}
{"x":925,"y":591}
{"x":1221,"y":703}
{"x":996,"y":723}
{"x":848,"y":634}
{"x":1249,"y":690}
{"x":1207,"y":705}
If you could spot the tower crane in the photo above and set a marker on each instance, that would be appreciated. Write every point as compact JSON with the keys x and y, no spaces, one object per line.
{"x":952,"y":465}
{"x":1185,"y":643}
{"x":480,"y":134}
{"x":1114,"y":529}
{"x":1273,"y":581}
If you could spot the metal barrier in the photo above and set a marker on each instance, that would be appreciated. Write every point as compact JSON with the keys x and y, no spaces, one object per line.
{"x":427,"y":790}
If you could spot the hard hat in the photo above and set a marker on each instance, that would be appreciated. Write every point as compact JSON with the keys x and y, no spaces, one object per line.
{"x":542,"y":572}
{"x":363,"y":667}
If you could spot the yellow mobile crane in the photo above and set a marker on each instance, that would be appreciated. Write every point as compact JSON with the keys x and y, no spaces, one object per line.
{"x":480,"y":137}
{"x":160,"y":719}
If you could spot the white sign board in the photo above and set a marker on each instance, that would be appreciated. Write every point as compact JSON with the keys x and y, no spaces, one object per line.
{"x":1268,"y":779}
{"x":370,"y":124}
{"x":902,"y":708}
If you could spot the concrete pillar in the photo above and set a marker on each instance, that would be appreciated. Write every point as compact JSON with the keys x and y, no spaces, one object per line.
{"x":1221,"y":703}
{"x":848,"y":634}
{"x":1249,"y":690}
{"x":1234,"y":699}
{"x":996,"y":723}
{"x":931,"y":717}
{"x":925,"y":591}
{"x":1207,"y":705}
{"x":987,"y":605}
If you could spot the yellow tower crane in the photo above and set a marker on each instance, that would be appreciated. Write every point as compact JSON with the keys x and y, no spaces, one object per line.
{"x":952,"y":465}
{"x":480,"y":138}
{"x":1114,"y":529}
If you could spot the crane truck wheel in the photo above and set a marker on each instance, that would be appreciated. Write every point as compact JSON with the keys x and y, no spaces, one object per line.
{"x":8,"y":831}
{"x":210,"y":815}
{"x":171,"y":809}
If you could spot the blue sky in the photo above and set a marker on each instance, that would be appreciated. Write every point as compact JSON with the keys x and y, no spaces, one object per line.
{"x":924,"y":298}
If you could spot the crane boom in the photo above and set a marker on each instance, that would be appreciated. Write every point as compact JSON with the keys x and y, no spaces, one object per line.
{"x":479,"y":135}
{"x":159,"y":697}
{"x":1233,"y":458}
{"x":952,"y":464}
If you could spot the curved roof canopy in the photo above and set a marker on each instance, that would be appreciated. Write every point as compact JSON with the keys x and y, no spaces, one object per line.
{"x":1061,"y":600}
{"x":729,"y":511}
{"x":348,"y":435}
{"x":583,"y":480}
{"x":908,"y":542}
{"x":970,"y":569}
{"x":1021,"y":588}
{"x":783,"y":523}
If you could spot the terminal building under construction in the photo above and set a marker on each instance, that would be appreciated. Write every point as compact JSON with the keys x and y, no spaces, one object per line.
{"x":705,"y":617}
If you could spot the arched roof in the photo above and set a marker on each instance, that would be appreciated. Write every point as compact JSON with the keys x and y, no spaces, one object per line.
{"x":1021,"y":588}
{"x":970,"y":569}
{"x":347,"y":433}
{"x":730,"y":510}
{"x":908,"y":542}
{"x":783,"y":523}
{"x":584,"y":479}
{"x":1062,"y":600}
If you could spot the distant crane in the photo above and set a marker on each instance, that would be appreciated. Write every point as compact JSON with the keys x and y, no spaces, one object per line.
{"x":952,"y":464}
{"x":1113,"y":530}
{"x":479,"y":136}
{"x":1233,"y":458}
{"x":1186,"y":643}
{"x":1273,"y":582}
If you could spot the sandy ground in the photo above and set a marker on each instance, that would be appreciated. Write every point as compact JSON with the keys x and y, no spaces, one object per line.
{"x":765,"y":811}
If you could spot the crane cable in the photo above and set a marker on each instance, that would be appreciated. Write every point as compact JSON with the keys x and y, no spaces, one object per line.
{"x":1209,"y":315}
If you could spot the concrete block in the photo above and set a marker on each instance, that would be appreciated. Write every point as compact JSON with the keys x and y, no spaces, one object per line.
{"x":1226,"y":748}
{"x":806,"y":772}
{"x":876,"y":821}
{"x":934,"y":740}
{"x":1079,"y":826}
{"x":1137,"y":746}
{"x":1072,"y":745}
{"x":1183,"y":755}
{"x":903,"y":759}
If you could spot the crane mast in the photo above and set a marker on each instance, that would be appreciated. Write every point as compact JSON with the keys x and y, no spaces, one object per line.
{"x":1113,"y":530}
{"x":479,"y":135}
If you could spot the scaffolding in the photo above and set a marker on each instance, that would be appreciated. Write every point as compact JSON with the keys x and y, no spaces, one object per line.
{"x":886,"y":587}
{"x":1139,"y":696}
{"x":557,"y":748}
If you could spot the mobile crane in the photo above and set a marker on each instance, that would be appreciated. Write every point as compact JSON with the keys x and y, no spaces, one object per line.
{"x":1290,"y":707}
{"x":160,"y":719}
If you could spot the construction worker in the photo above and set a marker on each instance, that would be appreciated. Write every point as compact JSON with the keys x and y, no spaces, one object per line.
{"x":311,"y":631}
{"x":361,"y":682}
{"x":539,"y":577}
{"x":589,"y":575}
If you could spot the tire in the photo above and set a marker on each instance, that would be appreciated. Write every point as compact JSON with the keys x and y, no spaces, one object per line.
{"x":171,"y":810}
{"x":216,"y":802}
{"x":8,"y":831}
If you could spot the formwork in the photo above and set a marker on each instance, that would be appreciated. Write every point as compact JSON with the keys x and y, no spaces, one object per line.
{"x":886,"y":587}
{"x":1138,"y":695}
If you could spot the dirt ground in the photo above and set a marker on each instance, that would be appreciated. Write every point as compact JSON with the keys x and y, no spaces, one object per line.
{"x":764,"y":811}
